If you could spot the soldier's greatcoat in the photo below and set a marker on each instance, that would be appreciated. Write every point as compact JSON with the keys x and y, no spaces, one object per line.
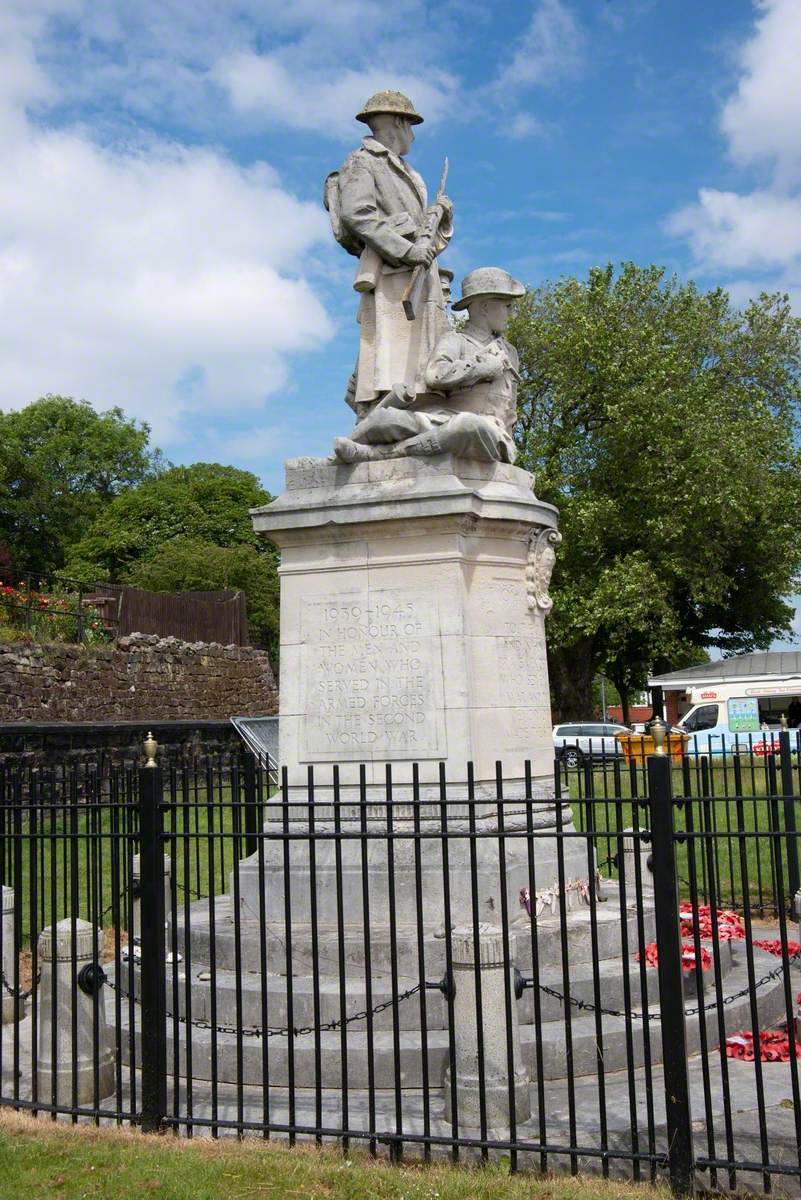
{"x":379,"y":204}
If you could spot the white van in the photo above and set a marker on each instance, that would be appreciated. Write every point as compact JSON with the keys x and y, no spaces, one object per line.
{"x":739,"y":716}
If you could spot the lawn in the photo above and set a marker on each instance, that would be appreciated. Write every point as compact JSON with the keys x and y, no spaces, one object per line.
{"x":728,"y":799}
{"x":86,"y":850}
{"x":48,"y":1161}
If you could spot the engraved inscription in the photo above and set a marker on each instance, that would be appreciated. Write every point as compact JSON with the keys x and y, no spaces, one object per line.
{"x":523,"y":666}
{"x":371,"y":683}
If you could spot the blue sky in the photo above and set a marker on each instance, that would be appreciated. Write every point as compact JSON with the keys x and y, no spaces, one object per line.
{"x":162,"y":241}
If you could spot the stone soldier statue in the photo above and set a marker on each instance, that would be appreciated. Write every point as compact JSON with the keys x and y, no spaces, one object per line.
{"x":470,"y":406}
{"x":379,"y":212}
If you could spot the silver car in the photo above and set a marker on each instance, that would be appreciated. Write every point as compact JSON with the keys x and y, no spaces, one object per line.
{"x":590,"y":740}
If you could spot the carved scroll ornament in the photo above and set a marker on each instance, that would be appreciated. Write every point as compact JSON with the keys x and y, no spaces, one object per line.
{"x":539,"y":568}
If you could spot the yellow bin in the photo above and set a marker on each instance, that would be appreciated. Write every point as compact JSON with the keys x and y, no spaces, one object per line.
{"x":637,"y":746}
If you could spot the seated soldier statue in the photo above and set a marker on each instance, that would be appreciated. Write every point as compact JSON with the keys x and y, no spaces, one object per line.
{"x":472,"y":375}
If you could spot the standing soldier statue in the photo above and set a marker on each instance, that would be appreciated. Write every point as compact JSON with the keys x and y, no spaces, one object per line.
{"x":379,"y":212}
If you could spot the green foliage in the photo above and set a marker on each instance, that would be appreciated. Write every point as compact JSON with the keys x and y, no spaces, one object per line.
{"x":61,"y":463}
{"x":185,"y":564}
{"x":188,"y":530}
{"x":205,"y":502}
{"x":664,"y":425}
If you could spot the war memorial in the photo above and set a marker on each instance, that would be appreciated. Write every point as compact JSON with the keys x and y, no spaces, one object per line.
{"x":425,"y":937}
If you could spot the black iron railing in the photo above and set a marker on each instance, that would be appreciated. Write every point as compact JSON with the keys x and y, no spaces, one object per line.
{"x":551,"y":970}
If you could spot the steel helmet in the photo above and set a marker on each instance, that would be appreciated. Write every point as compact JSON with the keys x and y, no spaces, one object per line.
{"x":390,"y":102}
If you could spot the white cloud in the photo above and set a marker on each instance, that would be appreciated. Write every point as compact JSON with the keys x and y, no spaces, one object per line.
{"x":762,"y":120}
{"x":758,"y":230}
{"x":262,"y":85}
{"x":164,"y":278}
{"x":736,"y":232}
{"x":550,"y":49}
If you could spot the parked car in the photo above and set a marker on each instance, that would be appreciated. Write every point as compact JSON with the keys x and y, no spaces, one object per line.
{"x":593,"y":740}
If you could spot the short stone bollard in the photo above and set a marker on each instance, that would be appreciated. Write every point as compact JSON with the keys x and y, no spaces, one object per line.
{"x":64,"y":1005}
{"x":136,"y":883}
{"x":496,"y":1091}
{"x":632,"y":846}
{"x":797,"y":910}
{"x":10,"y":1002}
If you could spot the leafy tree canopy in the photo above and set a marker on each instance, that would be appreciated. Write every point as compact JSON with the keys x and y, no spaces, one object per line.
{"x":206,"y":502}
{"x":664,"y":425}
{"x":61,"y":463}
{"x":187,"y":564}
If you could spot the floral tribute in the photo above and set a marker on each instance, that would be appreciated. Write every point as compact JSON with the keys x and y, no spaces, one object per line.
{"x":774,"y":1046}
{"x":774,"y":946}
{"x":729,"y":924}
{"x":688,"y":957}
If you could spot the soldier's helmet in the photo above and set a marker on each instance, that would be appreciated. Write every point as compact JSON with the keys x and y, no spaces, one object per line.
{"x":389,"y":102}
{"x":488,"y":281}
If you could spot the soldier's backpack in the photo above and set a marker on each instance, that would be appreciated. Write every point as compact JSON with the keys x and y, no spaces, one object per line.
{"x":331,"y":201}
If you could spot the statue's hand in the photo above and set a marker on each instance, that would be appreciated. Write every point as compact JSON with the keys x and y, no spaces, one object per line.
{"x":489,"y":366}
{"x":421,"y":252}
{"x":446,"y":204}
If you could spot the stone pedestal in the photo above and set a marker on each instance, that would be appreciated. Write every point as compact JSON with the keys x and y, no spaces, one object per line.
{"x":412,"y":621}
{"x":413,"y":598}
{"x":484,"y":957}
{"x":64,"y":1007}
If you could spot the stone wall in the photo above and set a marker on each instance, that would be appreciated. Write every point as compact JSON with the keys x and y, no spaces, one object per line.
{"x":137,"y":678}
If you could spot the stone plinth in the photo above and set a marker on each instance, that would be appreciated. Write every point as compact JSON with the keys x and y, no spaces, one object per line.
{"x":480,"y":1023}
{"x":409,"y":629}
{"x":75,"y":1063}
{"x":413,"y":597}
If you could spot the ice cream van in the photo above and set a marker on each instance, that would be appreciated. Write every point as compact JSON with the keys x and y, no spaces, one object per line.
{"x":741,"y":715}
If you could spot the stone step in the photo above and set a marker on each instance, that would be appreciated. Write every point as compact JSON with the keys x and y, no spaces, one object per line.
{"x":254,"y":1000}
{"x":270,"y":1003}
{"x":611,"y":978}
{"x":735,"y":1013}
{"x":581,"y":986}
{"x":197,"y":948}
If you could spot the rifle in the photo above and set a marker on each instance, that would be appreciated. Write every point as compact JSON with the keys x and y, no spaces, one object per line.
{"x":433,"y":217}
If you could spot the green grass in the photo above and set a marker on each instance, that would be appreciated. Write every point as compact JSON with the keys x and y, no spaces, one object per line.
{"x":721,"y":816}
{"x":91,"y":850}
{"x":45,"y":1161}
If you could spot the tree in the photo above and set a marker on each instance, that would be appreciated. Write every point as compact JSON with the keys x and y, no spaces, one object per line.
{"x":664,"y":425}
{"x":206,"y":502}
{"x":184,"y":564}
{"x":61,"y":463}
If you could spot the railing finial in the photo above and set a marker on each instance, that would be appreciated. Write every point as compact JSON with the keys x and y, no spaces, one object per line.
{"x":658,"y":731}
{"x":150,"y":746}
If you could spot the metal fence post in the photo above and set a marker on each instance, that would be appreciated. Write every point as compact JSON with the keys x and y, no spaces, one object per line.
{"x":789,"y":816}
{"x":671,"y":979}
{"x":251,"y":804}
{"x":153,"y":947}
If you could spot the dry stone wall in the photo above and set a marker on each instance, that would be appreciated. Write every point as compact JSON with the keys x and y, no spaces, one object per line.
{"x":140,"y":677}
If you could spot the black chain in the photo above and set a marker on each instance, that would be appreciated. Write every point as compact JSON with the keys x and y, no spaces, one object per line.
{"x":295,"y":1031}
{"x":587,"y":1006}
{"x":19,"y":995}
